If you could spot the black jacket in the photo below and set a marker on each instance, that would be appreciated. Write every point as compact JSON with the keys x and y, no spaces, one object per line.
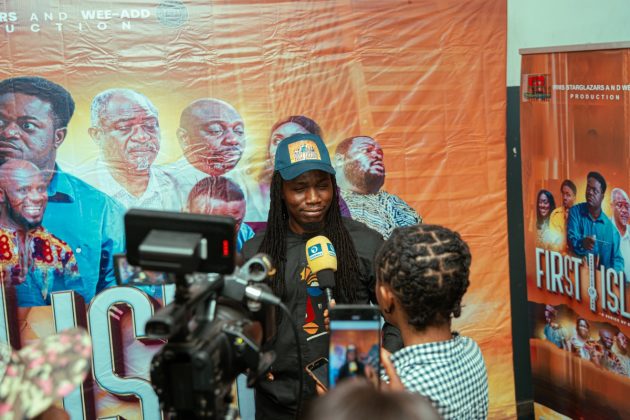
{"x":276,"y":399}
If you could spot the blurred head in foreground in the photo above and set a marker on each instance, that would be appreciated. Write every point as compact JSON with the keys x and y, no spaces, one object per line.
{"x":358,"y":399}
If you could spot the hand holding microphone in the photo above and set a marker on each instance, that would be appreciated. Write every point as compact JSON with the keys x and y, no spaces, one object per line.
{"x":322,"y":259}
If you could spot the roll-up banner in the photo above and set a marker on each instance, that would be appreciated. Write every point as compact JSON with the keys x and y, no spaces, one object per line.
{"x":575,"y":137}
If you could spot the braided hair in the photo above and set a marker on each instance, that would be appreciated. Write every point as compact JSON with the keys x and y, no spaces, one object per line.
{"x":427,"y":267}
{"x":274,"y":243}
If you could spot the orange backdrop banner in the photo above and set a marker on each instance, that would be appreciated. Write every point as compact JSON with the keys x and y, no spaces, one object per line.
{"x":426,"y":80}
{"x":574,"y":136}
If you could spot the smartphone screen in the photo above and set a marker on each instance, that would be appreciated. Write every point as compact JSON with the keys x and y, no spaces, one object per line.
{"x":150,"y":282}
{"x":355,"y":340}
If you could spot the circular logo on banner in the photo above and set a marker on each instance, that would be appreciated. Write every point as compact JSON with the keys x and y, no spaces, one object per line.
{"x":172,"y":13}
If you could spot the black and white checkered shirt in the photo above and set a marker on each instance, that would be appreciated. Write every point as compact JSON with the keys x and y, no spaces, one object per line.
{"x":452,"y":374}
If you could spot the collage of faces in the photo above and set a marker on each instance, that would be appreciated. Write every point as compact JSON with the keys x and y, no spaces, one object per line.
{"x":603,"y":345}
{"x":60,"y":227}
{"x":581,"y":228}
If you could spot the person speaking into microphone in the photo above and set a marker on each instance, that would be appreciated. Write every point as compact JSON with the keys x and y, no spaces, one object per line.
{"x":304,"y":204}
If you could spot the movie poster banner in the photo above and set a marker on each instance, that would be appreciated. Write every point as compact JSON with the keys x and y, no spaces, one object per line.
{"x":179,"y":105}
{"x":575,"y":136}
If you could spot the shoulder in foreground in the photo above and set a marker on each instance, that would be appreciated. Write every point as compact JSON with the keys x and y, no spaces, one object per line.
{"x":357,"y":228}
{"x":469,"y":343}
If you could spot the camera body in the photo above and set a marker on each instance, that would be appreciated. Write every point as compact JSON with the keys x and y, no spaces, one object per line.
{"x":193,"y":377}
{"x":210,"y":327}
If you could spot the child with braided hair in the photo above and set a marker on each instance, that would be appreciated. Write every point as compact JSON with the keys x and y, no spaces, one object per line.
{"x":422,"y":274}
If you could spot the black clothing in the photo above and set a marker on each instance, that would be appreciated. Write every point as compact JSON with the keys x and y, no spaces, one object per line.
{"x":305,"y":300}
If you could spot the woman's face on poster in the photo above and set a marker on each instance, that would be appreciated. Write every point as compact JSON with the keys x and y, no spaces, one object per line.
{"x":543,"y":205}
{"x":282,"y":132}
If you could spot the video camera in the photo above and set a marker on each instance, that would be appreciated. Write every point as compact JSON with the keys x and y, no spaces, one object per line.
{"x":210,"y":327}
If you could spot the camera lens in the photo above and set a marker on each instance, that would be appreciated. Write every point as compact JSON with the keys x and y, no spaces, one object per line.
{"x":256,"y":269}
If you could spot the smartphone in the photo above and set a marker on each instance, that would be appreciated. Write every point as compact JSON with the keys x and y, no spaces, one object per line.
{"x":127,"y":274}
{"x":318,"y":370}
{"x":355,"y":343}
{"x":150,"y":282}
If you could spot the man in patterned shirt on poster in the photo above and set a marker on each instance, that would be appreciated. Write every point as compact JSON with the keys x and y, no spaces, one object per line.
{"x":361,"y":174}
{"x":32,"y":260}
{"x":604,"y":356}
{"x":422,"y":274}
{"x":622,"y":350}
{"x":34,"y":118}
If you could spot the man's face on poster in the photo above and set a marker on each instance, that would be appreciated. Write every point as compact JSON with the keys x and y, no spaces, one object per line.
{"x":128,"y":133}
{"x":282,"y":132}
{"x":594,"y":193}
{"x":364,"y":166}
{"x":550,"y":314}
{"x":621,"y":209}
{"x":606,"y":338}
{"x":203,"y":204}
{"x":27,"y":130}
{"x":24,"y":196}
{"x":568,"y":198}
{"x":214,"y":138}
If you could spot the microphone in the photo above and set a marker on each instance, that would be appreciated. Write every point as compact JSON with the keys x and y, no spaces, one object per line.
{"x":321,"y":257}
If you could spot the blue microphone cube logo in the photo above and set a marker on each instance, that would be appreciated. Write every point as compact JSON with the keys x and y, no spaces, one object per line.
{"x":315,"y":251}
{"x":331,"y":249}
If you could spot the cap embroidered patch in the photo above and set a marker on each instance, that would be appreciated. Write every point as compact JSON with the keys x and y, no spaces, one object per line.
{"x":303,"y":150}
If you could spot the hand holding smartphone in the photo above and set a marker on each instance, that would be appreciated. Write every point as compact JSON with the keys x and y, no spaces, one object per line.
{"x":355,"y":342}
{"x":318,"y":370}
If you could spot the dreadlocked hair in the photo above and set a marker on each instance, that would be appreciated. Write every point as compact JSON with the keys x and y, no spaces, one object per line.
{"x":427,"y":267}
{"x":274,"y":244}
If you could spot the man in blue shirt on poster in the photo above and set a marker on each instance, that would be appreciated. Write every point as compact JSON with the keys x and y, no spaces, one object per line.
{"x":590,"y":231}
{"x":34,"y":116}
